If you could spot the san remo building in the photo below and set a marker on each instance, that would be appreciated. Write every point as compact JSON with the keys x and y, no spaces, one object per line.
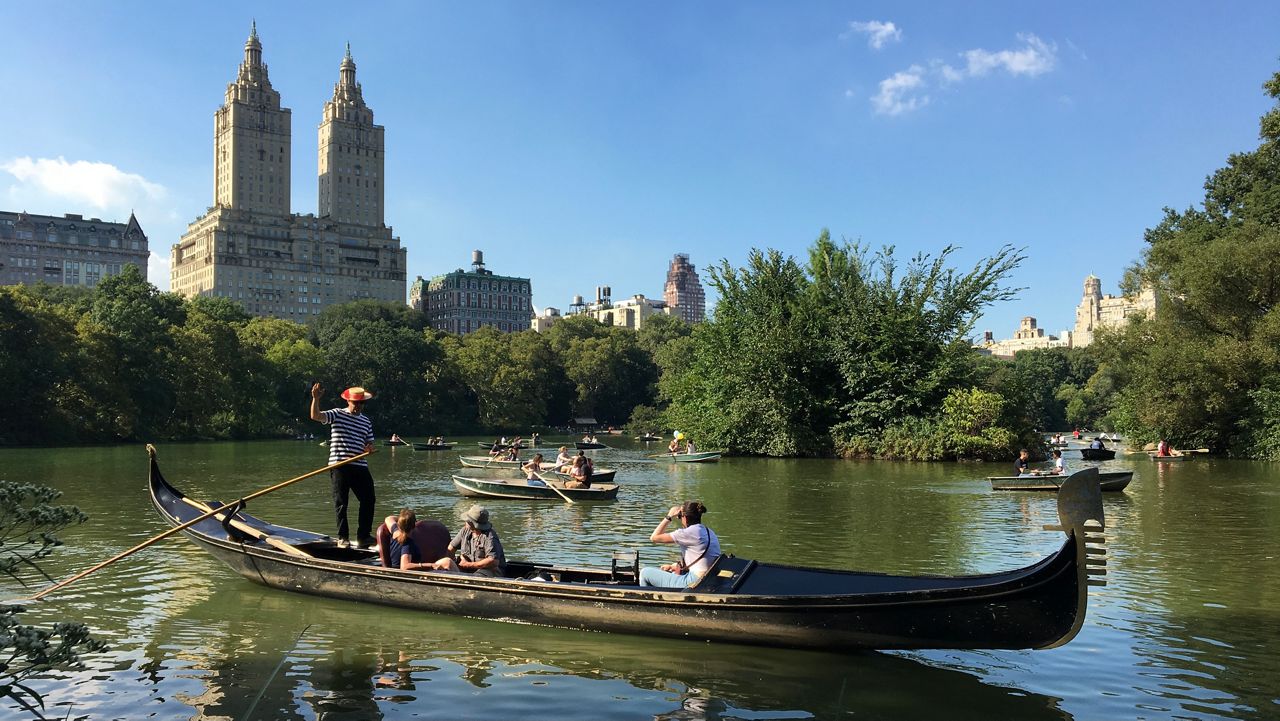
{"x":250,"y":247}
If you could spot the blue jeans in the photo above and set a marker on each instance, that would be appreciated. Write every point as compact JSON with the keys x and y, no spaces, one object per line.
{"x":654,"y":576}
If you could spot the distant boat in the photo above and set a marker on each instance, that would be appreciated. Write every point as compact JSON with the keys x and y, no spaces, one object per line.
{"x":434,"y":446}
{"x":519,"y":488}
{"x":1097,"y":454}
{"x":1170,"y":459}
{"x":648,"y":437}
{"x":703,"y":457}
{"x":489,"y":462}
{"x":580,"y":446}
{"x":523,"y":444}
{"x":1110,"y":481}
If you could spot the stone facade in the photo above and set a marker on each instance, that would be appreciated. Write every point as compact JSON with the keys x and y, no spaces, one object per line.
{"x":463,"y":301}
{"x":67,"y":250}
{"x":250,"y":248}
{"x":630,"y":313}
{"x":683,"y":292}
{"x":1097,"y":311}
{"x":1028,"y":337}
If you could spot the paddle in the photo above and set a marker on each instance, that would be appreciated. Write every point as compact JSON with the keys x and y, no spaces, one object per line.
{"x":151,"y":452}
{"x":552,"y":487}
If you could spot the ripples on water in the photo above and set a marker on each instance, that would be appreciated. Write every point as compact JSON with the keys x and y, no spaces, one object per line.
{"x":1185,"y":629}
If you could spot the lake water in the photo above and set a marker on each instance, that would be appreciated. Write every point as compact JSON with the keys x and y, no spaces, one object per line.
{"x":1187,"y":627}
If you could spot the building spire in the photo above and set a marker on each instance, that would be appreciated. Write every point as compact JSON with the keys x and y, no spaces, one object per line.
{"x":347,"y":72}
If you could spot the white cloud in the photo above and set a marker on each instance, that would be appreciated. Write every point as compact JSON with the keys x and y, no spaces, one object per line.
{"x":901,"y":92}
{"x":1035,"y":57}
{"x":878,"y":33}
{"x":55,"y":186}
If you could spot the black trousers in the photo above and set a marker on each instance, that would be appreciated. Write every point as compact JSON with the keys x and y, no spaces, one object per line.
{"x":353,"y":479}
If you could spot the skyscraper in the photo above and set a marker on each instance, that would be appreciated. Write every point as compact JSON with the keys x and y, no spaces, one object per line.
{"x":250,"y":248}
{"x":683,"y":292}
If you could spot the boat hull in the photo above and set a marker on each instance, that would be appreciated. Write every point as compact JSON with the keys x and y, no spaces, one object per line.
{"x":1097,"y":454}
{"x":740,"y":601}
{"x":485,"y":462}
{"x":520,"y":489}
{"x":706,"y":457}
{"x":1107,"y":482}
{"x":580,"y":446}
{"x":1170,"y":459}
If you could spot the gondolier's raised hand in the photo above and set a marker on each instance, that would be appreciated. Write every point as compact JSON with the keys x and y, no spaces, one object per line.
{"x":316,"y":390}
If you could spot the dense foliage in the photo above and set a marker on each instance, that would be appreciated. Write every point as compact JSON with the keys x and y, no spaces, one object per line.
{"x":28,"y":522}
{"x":1205,"y":371}
{"x":847,"y":353}
{"x":126,"y":362}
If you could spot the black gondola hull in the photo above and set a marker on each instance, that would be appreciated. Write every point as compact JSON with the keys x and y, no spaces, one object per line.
{"x":1035,"y":607}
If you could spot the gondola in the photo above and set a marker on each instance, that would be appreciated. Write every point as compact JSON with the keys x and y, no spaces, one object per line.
{"x":520,"y":488}
{"x":702,"y":457}
{"x":1107,"y":481}
{"x":1097,"y":454}
{"x":581,"y":446}
{"x":738,"y":601}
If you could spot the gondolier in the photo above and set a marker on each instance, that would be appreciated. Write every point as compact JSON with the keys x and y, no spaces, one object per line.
{"x":350,"y":434}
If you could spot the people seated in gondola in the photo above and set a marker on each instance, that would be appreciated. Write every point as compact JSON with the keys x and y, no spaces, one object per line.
{"x":406,"y":543}
{"x":579,"y":473}
{"x":1059,"y":465}
{"x":478,"y":547}
{"x":532,"y":469}
{"x":699,"y":548}
{"x":563,"y":460}
{"x":1020,"y":466}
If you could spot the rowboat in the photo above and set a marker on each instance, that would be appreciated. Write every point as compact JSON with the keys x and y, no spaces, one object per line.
{"x":1170,"y":459}
{"x":523,"y":444}
{"x":1097,"y":454}
{"x":1107,"y":481}
{"x":703,"y":457}
{"x":434,"y":446}
{"x":579,"y":445}
{"x":648,"y":437}
{"x":520,"y":488}
{"x":739,"y":600}
{"x":394,"y":443}
{"x":489,"y":462}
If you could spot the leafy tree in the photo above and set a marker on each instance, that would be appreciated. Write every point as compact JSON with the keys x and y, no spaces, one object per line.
{"x":391,"y":360}
{"x":510,"y":375}
{"x":28,"y":523}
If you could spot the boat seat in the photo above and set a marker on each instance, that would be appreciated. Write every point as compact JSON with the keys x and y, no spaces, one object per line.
{"x":725,"y":575}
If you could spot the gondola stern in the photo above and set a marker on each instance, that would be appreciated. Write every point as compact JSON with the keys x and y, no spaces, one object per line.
{"x":1081,"y":517}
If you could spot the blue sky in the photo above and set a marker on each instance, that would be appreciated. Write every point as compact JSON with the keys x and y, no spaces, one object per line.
{"x":583,"y":143}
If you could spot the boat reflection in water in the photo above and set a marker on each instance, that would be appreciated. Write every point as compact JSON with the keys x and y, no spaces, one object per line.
{"x":352,"y":662}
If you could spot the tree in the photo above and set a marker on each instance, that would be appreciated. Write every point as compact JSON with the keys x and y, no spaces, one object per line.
{"x":28,"y":522}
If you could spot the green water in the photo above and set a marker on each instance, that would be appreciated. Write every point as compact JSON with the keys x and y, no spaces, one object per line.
{"x":1186,"y":628}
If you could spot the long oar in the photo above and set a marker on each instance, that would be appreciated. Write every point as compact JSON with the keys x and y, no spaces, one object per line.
{"x":552,"y":487}
{"x":188,"y":524}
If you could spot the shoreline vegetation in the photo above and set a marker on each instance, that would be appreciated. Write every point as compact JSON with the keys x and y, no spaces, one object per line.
{"x":851,"y":353}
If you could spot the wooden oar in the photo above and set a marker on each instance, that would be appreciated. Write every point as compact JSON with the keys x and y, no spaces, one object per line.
{"x":1197,"y":450}
{"x":552,"y":487}
{"x":151,"y":452}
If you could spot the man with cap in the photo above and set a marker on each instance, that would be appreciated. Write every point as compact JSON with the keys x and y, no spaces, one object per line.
{"x":350,"y":434}
{"x":477,"y":545}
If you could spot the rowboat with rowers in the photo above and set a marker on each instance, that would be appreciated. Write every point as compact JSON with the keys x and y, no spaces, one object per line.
{"x":737,"y":601}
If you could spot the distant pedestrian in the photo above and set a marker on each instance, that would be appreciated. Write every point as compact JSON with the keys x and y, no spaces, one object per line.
{"x":350,"y":434}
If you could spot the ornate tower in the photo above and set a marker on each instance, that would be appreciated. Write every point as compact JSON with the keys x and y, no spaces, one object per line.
{"x":351,"y":154}
{"x":251,"y":140}
{"x":683,"y":291}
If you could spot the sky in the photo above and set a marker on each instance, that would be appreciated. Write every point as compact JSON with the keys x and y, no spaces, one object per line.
{"x":583,"y":143}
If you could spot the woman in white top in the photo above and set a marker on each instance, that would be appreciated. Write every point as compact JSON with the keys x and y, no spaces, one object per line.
{"x":699,"y":548}
{"x":564,"y":460}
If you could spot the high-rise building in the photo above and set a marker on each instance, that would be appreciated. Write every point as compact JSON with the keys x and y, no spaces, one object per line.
{"x":1097,"y":311}
{"x":463,"y":301}
{"x":683,"y":292}
{"x":68,"y":250}
{"x":250,"y":248}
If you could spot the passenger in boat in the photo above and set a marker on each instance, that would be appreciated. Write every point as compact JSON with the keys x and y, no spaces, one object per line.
{"x":496,"y":449}
{"x":586,"y":438}
{"x":674,"y":446}
{"x":404,"y":542}
{"x":532,"y":469}
{"x":688,"y":446}
{"x":1076,"y":433}
{"x":699,"y":548}
{"x":1059,"y":465}
{"x":580,"y":473}
{"x":511,"y":454}
{"x":1164,"y":449}
{"x":1020,"y":465}
{"x":350,"y":434}
{"x":564,"y":461}
{"x":478,"y":546}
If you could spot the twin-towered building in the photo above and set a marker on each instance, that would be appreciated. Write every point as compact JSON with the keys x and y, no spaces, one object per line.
{"x":1094,"y":312}
{"x":250,"y":247}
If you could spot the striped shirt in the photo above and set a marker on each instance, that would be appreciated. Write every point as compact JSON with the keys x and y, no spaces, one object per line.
{"x":348,"y":435}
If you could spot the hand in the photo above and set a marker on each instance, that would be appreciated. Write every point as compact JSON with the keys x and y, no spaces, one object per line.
{"x":675,"y":511}
{"x":316,"y":390}
{"x":668,"y":567}
{"x":368,"y":448}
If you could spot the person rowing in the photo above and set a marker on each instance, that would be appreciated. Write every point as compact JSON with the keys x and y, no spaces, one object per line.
{"x":532,"y":469}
